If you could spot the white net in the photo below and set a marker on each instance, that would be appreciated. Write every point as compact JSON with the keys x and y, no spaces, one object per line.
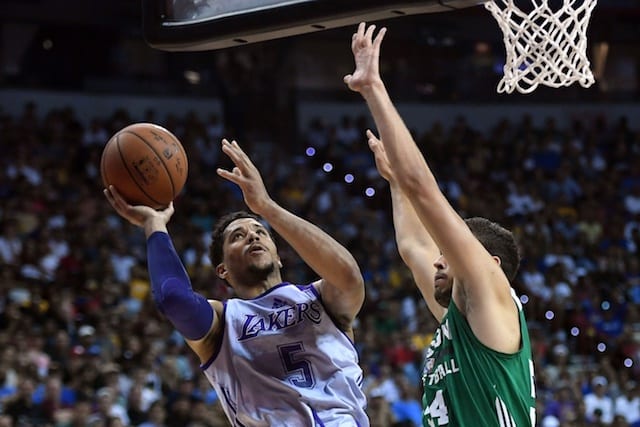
{"x":546,"y":45}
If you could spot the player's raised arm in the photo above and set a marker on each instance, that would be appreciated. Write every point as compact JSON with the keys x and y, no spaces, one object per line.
{"x":480,"y":288}
{"x":416,"y":247}
{"x":342,"y":285}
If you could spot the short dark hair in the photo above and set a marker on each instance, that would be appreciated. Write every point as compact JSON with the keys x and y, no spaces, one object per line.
{"x":498,"y":241}
{"x":217,"y":238}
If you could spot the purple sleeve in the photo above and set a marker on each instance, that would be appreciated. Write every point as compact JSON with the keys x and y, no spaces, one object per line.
{"x":189,"y":312}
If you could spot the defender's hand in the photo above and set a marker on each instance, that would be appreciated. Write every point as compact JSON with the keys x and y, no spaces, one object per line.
{"x":382,"y":162}
{"x":366,"y":53}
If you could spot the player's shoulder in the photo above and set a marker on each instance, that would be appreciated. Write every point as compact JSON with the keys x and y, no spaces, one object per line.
{"x":314,"y":287}
{"x":217,"y":305}
{"x":317,"y":284}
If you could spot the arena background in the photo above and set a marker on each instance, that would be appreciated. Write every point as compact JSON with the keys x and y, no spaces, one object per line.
{"x":561,"y":167}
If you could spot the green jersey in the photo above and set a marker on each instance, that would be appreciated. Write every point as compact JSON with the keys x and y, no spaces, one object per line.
{"x":468,"y":384}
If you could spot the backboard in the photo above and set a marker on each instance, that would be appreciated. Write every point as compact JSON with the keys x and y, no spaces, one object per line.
{"x":192,"y":25}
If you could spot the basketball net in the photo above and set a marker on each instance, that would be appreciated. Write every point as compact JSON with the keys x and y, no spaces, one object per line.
{"x":544,"y":46}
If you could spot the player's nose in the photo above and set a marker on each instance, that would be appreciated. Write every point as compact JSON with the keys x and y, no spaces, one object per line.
{"x":440,"y":262}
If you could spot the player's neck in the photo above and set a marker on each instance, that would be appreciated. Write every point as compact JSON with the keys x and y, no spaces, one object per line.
{"x":255,"y":289}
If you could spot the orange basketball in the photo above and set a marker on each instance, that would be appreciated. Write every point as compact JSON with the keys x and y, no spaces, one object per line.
{"x":146,"y":164}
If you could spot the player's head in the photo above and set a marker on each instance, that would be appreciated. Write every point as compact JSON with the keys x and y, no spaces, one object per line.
{"x":498,"y":241}
{"x":243,"y":250}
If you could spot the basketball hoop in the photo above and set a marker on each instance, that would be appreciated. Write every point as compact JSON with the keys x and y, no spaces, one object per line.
{"x":544,"y":46}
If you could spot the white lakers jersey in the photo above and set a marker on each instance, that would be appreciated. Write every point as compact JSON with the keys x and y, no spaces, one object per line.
{"x":283,"y":362}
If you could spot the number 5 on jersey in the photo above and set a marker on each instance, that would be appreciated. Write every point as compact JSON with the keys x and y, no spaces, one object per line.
{"x":298,"y":368}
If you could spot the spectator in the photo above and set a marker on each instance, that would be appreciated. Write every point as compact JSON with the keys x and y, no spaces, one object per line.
{"x":78,"y":416}
{"x":107,"y":407}
{"x":407,"y":409}
{"x":598,"y":404}
{"x":157,"y":415}
{"x":379,"y":409}
{"x":20,"y":407}
{"x":562,"y":407}
{"x":627,"y":404}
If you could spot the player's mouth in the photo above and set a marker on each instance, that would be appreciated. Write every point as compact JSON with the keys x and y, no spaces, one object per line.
{"x":256,"y":249}
{"x":439,"y":279}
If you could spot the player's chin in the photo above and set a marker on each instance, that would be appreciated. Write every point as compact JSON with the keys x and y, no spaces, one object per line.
{"x":442,"y":296}
{"x":262,"y":268}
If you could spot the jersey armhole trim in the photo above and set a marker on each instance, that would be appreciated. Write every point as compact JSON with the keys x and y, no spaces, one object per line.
{"x":208,"y":363}
{"x":475,"y":339}
{"x":319,"y":296}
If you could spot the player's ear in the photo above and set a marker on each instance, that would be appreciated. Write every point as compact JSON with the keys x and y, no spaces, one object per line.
{"x":221,"y":271}
{"x":497,"y":259}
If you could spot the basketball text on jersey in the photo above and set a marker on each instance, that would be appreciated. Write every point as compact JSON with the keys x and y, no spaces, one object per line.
{"x":467,"y":383}
{"x":446,"y":365}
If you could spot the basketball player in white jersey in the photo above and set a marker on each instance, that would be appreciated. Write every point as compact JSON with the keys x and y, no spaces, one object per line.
{"x":280,"y":354}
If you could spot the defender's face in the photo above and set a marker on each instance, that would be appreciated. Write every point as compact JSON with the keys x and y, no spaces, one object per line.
{"x":248,"y":249}
{"x":442,"y":282}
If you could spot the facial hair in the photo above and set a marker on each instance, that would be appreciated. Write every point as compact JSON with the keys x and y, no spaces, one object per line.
{"x":443,"y":296}
{"x":260,"y":273}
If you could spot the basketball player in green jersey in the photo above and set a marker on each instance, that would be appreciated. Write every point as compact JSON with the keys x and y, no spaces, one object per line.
{"x":478,"y":370}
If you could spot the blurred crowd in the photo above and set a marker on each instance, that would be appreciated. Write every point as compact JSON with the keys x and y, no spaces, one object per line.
{"x":81,"y":343}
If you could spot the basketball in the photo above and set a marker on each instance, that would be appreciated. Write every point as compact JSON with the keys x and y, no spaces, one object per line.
{"x":146,"y":163}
